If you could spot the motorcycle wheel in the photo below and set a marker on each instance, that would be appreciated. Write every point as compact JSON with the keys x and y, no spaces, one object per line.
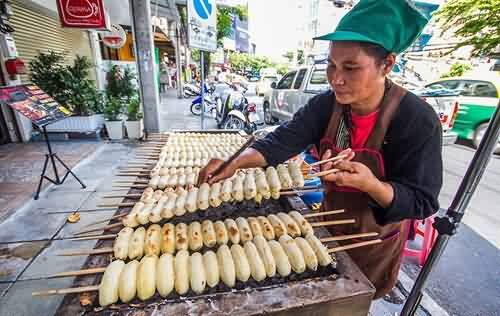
{"x":196,"y":109}
{"x":233,"y":122}
{"x":252,"y":127}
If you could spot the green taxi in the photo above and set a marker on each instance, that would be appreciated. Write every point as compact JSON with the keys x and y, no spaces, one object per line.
{"x":479,"y":96}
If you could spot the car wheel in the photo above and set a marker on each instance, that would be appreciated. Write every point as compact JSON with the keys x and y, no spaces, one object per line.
{"x":478,"y":136}
{"x":268,"y":117}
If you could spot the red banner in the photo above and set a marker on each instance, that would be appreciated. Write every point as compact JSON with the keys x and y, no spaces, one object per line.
{"x":88,"y":14}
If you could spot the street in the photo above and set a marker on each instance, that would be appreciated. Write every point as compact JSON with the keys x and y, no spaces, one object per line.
{"x":466,"y":281}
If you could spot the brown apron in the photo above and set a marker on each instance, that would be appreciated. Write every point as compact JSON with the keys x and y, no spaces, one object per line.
{"x":380,"y":262}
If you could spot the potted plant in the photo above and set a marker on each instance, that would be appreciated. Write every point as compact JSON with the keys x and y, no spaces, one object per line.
{"x":113,"y":111}
{"x":70,"y":86}
{"x":134,"y":122}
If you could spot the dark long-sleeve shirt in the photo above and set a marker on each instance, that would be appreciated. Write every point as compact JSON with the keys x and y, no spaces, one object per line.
{"x":411,"y":152}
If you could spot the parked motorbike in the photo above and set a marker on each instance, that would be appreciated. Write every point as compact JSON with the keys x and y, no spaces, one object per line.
{"x":231,"y":97}
{"x":238,"y":114}
{"x":191,"y":90}
{"x":211,"y":102}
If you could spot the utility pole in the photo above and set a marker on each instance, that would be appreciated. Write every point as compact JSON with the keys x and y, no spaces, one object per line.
{"x":144,"y":51}
{"x":177,"y":35}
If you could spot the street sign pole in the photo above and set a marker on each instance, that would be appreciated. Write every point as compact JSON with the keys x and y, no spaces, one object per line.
{"x":202,"y":35}
{"x":447,"y":226}
{"x":202,"y":82}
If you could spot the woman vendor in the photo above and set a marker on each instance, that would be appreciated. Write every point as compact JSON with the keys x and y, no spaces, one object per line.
{"x":391,"y":138}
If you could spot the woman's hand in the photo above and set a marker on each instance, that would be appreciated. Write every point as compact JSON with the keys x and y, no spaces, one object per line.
{"x":206,"y":174}
{"x":328,"y":154}
{"x":352,"y":174}
{"x":357,"y":175}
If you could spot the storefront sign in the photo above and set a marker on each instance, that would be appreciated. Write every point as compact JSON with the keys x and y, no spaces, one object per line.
{"x":202,"y":28}
{"x":88,"y":14}
{"x":115,"y":38}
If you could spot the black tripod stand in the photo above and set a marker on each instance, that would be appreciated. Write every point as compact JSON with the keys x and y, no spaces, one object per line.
{"x":52,"y":157}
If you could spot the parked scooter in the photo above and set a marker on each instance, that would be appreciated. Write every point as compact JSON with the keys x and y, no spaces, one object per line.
{"x":245,"y":120}
{"x":211,"y":102}
{"x":191,"y":90}
{"x":241,"y":115}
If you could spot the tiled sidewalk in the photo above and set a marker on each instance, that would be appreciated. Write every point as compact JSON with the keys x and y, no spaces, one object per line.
{"x":21,"y":166}
{"x":24,"y":265}
{"x":175,"y":114}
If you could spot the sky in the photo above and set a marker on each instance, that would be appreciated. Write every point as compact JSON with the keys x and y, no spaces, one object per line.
{"x":276,"y":26}
{"x":272,"y":27}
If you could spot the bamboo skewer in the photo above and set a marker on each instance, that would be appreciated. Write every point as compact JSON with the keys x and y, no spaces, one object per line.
{"x":332,"y":223}
{"x":322,"y":173}
{"x":314,"y":224}
{"x":301,"y":191}
{"x":104,"y":209}
{"x":356,"y":245}
{"x":133,"y":186}
{"x":117,"y":204}
{"x":346,"y":237}
{"x":133,"y":174}
{"x":105,"y":250}
{"x":78,"y":273}
{"x":94,"y":237}
{"x":305,"y":216}
{"x":128,"y":181}
{"x":323,"y":213}
{"x":132,"y":195}
{"x":326,"y":239}
{"x":71,"y":290}
{"x":107,"y":220}
{"x":99,"y":228}
{"x":98,"y":251}
{"x":339,"y":157}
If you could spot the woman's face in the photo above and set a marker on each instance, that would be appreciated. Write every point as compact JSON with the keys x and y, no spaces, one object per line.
{"x":352,"y":74}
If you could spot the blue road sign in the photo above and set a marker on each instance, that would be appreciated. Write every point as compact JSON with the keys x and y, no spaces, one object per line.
{"x":203,"y":8}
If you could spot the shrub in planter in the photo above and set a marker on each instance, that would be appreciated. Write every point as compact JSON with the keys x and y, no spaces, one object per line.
{"x":134,"y":119}
{"x":113,"y":112}
{"x":70,"y":86}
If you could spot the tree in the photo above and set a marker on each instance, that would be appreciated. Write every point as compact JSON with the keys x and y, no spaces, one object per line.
{"x":476,"y":23}
{"x":457,"y":70}
{"x":289,"y":55}
{"x":225,"y":20}
{"x":243,"y":63}
{"x":300,"y":57}
{"x":282,"y":69}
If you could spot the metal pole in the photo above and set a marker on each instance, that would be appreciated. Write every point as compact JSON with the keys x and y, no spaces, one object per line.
{"x":51,"y":155}
{"x":140,"y":14}
{"x":447,"y":225}
{"x":178,"y":65}
{"x":202,"y":74}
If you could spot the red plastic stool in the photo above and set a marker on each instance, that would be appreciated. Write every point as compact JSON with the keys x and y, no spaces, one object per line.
{"x":428,"y":233}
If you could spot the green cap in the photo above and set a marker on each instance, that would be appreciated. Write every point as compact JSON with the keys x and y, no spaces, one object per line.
{"x":392,"y":24}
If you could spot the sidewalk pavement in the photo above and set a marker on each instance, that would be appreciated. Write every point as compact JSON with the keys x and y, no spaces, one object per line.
{"x":24,"y":265}
{"x":175,"y":114}
{"x":21,"y":165}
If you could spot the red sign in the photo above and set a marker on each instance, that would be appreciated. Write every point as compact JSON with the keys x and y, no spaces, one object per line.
{"x":88,"y":14}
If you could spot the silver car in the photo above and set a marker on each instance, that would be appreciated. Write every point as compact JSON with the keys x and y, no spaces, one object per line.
{"x":298,"y":86}
{"x":293,"y":91}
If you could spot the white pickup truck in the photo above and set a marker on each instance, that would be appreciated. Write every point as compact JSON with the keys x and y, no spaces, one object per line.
{"x":296,"y":88}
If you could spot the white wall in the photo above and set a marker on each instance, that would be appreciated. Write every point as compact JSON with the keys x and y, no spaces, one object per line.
{"x":119,"y":11}
{"x":47,"y":4}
